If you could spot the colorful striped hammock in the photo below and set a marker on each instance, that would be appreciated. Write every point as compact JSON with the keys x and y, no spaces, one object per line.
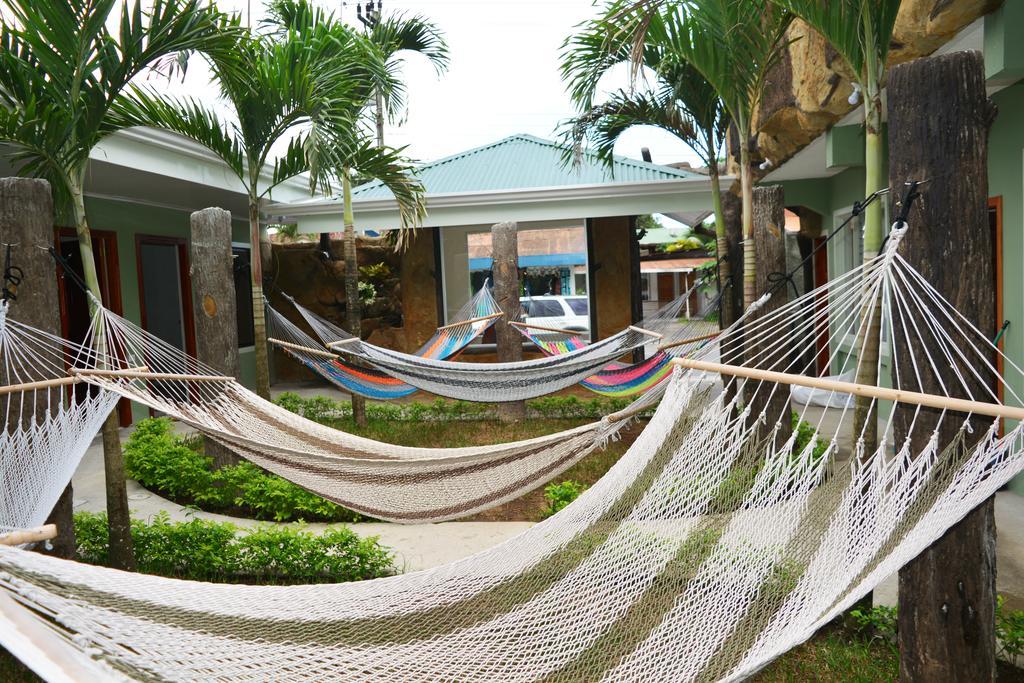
{"x":629,"y":379}
{"x":448,"y":341}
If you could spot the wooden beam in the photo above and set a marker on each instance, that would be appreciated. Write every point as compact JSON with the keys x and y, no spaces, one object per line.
{"x":449,"y":326}
{"x":883,"y":393}
{"x":691,"y":340}
{"x":303,"y":349}
{"x":151,"y":376}
{"x":531,"y":326}
{"x":34,"y":535}
{"x":343,"y":342}
{"x":508,"y":342}
{"x":41,"y":384}
{"x":643,"y":331}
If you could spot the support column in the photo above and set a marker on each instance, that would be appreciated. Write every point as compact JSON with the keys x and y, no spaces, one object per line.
{"x":505,"y":258}
{"x":939,"y":116}
{"x":763,"y":351}
{"x":26,"y":221}
{"x":214,"y":307}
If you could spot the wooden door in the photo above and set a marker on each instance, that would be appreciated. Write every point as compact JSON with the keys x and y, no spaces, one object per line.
{"x":74,"y":305}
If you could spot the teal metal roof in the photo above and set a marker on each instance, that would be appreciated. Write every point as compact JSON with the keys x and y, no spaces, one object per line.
{"x":520,"y":162}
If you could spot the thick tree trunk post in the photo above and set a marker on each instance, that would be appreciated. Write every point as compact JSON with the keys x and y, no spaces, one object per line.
{"x":505,"y":266}
{"x":26,"y":221}
{"x":939,"y":117}
{"x":769,"y":351}
{"x":211,"y":269}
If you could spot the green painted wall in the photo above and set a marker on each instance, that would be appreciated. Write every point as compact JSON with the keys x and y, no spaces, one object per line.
{"x":130,"y":220}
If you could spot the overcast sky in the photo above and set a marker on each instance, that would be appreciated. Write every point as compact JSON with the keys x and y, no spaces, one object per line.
{"x":503,"y":78}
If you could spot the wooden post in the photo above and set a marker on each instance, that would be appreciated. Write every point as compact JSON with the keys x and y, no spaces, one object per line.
{"x":939,"y":117}
{"x":505,"y":266}
{"x":26,"y":221}
{"x":731,"y":306}
{"x":211,"y":268}
{"x":767,"y":351}
{"x":636,"y":303}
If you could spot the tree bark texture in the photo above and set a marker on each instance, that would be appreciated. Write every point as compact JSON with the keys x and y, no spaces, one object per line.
{"x":505,"y":258}
{"x":769,"y":351}
{"x":732,"y":289}
{"x":26,"y":222}
{"x":939,"y":117}
{"x":211,"y":269}
{"x":259,"y":320}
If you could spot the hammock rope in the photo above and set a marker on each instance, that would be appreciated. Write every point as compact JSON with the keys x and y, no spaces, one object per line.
{"x":471,"y":321}
{"x":621,"y":379}
{"x":715,"y":544}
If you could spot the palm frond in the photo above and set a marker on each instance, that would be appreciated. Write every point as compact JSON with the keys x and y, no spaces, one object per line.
{"x":392,"y":169}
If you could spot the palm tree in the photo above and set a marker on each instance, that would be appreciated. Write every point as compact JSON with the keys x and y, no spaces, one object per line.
{"x":681,"y":102}
{"x":733,"y":44}
{"x":861,"y":31}
{"x":301,"y":88}
{"x":396,"y":34}
{"x":64,"y":66}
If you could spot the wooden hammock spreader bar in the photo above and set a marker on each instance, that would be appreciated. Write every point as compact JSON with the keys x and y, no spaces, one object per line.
{"x":482,"y":318}
{"x":34,"y":535}
{"x":643,"y":331}
{"x":303,"y":349}
{"x":153,"y":376}
{"x":41,"y":384}
{"x":960,"y":405}
{"x":342,"y":342}
{"x":531,"y":326}
{"x":691,"y":340}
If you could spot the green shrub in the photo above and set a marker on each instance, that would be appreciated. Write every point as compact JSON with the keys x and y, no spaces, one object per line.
{"x":560,"y":495}
{"x":215,"y":551}
{"x":172,"y":466}
{"x":805,"y":431}
{"x":879,"y":622}
{"x":1009,"y":632}
{"x":329,"y":411}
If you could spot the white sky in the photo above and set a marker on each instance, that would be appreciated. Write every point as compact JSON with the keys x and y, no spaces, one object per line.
{"x":503,"y":77}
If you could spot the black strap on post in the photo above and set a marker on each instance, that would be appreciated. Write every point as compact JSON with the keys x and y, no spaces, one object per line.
{"x":13,"y":275}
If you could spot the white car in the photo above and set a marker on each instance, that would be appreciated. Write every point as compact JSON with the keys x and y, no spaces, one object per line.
{"x":559,"y":312}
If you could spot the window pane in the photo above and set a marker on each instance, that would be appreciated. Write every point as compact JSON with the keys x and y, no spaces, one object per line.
{"x":543,"y":308}
{"x":578,"y":306}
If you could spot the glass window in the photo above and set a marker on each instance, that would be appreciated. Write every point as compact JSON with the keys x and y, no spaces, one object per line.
{"x":543,"y":308}
{"x":579,"y":306}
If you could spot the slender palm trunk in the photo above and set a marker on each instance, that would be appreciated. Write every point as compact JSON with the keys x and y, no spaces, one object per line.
{"x":119,"y":532}
{"x":721,"y":241}
{"x":259,"y":321}
{"x":747,"y":192}
{"x":865,"y":420}
{"x":865,"y":415}
{"x":353,"y":309}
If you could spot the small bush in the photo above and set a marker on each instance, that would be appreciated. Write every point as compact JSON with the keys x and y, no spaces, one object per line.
{"x":172,"y":467}
{"x":879,"y":622}
{"x":214,"y":551}
{"x":560,"y":495}
{"x":1009,"y":632}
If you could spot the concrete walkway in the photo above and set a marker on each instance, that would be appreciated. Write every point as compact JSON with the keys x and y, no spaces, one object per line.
{"x":422,"y":546}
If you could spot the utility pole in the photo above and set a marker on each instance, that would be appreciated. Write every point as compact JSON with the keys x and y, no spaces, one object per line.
{"x":369,"y":18}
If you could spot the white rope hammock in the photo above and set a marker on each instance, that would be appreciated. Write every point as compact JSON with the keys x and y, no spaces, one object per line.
{"x":395,"y":483}
{"x":710,"y":548}
{"x":49,"y":421}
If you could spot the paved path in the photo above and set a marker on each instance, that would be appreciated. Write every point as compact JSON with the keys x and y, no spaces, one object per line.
{"x":421,"y":546}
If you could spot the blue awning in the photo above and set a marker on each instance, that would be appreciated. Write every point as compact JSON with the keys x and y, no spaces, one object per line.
{"x":549,"y":260}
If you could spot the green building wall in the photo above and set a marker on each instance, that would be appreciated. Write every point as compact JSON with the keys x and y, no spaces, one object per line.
{"x":129,"y":220}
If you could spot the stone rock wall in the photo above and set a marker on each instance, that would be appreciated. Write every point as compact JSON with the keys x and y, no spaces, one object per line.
{"x":808,"y":90}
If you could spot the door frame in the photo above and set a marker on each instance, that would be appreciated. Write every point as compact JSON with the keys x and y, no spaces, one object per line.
{"x":185,"y":280}
{"x":996,"y":204}
{"x":110,"y":290}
